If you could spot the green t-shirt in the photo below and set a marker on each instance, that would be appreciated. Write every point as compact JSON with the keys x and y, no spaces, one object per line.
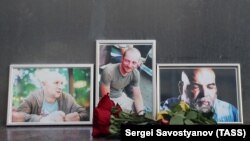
{"x":112,"y":77}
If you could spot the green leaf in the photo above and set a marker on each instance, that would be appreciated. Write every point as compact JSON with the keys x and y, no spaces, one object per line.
{"x":188,"y":122}
{"x":176,"y":108}
{"x":176,"y":120}
{"x":211,"y":121}
{"x":114,"y":128}
{"x":143,"y":123}
{"x":124,"y":115}
{"x":197,"y":121}
{"x":208,"y":114}
{"x":191,"y":115}
{"x":180,"y":114}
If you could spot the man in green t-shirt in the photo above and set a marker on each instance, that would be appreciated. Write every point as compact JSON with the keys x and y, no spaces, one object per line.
{"x":115,"y":77}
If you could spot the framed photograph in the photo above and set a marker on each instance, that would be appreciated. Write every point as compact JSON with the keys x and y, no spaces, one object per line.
{"x":58,"y":94}
{"x":126,"y":70}
{"x":204,"y":87}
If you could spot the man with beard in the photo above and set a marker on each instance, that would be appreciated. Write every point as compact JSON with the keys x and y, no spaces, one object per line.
{"x":49,"y":104}
{"x":198,"y":88}
{"x":115,"y":77}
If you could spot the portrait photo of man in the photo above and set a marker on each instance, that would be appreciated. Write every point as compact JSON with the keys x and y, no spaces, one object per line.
{"x":204,"y":87}
{"x":126,"y":73}
{"x":50,"y":95}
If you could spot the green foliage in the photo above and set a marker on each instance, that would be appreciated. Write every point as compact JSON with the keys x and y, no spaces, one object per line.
{"x":127,"y":118}
{"x":188,"y":116}
{"x":82,"y":91}
{"x":177,"y":119}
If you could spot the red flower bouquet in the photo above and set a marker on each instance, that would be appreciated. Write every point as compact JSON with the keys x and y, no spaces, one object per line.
{"x":102,"y":114}
{"x":108,"y":118}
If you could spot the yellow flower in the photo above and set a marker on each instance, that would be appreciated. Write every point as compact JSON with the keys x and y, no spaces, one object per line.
{"x":160,"y":115}
{"x":184,"y":106}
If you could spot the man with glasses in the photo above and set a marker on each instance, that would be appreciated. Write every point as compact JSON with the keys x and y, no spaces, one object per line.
{"x":115,"y":77}
{"x":198,"y":88}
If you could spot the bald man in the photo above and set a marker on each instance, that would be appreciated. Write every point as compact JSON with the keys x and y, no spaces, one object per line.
{"x":115,"y":77}
{"x":49,"y":104}
{"x":198,"y":88}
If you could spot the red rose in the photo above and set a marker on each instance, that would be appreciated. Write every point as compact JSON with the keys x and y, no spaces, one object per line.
{"x":102,"y":114}
{"x":164,"y":122}
{"x":105,"y":103}
{"x":101,"y":117}
{"x":116,"y":110}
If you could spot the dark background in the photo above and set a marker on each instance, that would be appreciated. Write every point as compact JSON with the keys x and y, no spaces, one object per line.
{"x":65,"y":31}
